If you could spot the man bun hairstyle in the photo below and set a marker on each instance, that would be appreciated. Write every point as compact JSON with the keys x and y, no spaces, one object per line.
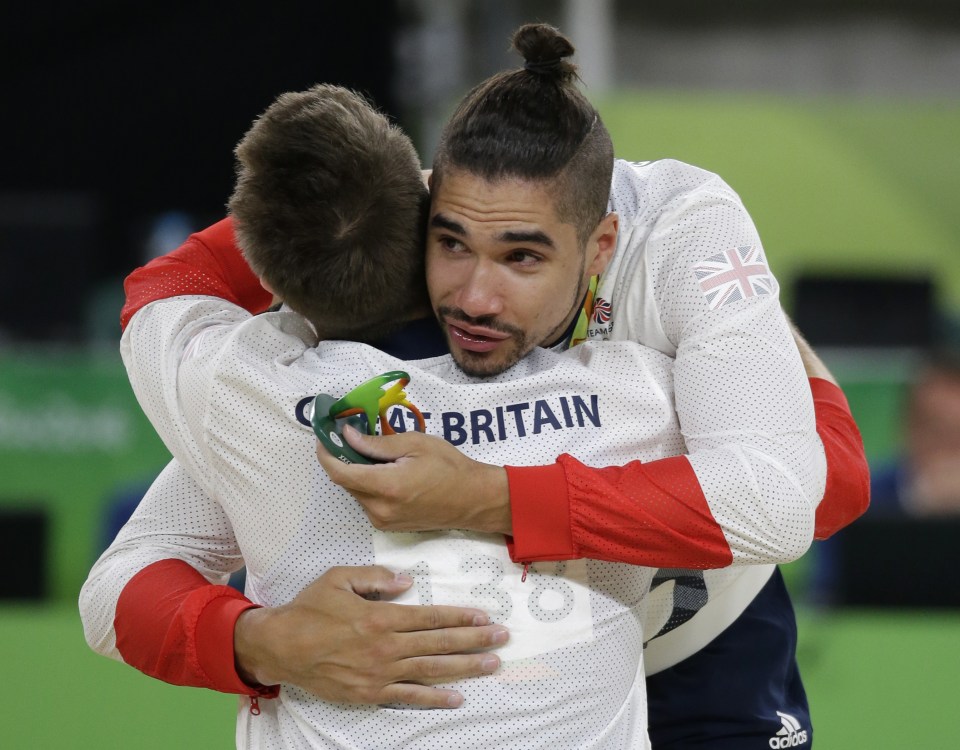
{"x":534,"y":124}
{"x":329,"y":208}
{"x":544,"y":50}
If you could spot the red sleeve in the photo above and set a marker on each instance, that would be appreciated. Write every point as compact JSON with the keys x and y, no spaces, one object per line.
{"x":644,"y":514}
{"x":655,"y":513}
{"x":848,"y":475}
{"x":209,"y":263}
{"x":172,"y":624}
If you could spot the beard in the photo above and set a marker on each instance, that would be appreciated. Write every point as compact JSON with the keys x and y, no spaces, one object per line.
{"x":510,"y":350}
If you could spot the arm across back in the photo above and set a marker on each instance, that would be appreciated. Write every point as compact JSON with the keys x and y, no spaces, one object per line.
{"x":546,"y":529}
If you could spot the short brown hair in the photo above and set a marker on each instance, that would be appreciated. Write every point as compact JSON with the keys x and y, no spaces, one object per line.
{"x":329,"y":208}
{"x":535,"y":124}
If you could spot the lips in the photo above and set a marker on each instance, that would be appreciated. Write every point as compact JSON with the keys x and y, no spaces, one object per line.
{"x":475,"y":338}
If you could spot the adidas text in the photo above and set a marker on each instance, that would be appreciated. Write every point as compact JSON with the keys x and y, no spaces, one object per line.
{"x":793,"y":740}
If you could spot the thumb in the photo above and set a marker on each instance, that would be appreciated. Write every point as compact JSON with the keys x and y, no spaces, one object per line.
{"x":381,"y":448}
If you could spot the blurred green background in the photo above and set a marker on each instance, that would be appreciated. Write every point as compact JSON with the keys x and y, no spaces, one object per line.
{"x":866,"y":185}
{"x":834,"y":185}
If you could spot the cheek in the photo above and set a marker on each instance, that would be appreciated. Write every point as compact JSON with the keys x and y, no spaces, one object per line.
{"x":544,"y":305}
{"x":438,"y":278}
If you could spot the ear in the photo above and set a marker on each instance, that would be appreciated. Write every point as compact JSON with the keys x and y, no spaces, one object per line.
{"x":602,"y":243}
{"x":427,"y":175}
{"x":276,"y":299}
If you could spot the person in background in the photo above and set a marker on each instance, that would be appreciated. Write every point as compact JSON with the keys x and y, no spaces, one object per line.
{"x":924,"y":480}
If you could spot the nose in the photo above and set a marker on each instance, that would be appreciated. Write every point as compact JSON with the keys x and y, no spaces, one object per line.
{"x":481,"y":292}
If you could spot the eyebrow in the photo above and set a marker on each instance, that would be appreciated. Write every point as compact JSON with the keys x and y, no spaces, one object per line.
{"x":532,"y":236}
{"x":442,"y":222}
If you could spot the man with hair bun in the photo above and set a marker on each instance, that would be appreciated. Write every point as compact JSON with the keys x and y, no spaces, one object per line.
{"x":523,"y":151}
{"x":509,"y":250}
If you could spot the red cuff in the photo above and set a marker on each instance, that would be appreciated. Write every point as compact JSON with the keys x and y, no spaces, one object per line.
{"x":664,"y":499}
{"x":214,"y":646}
{"x":540,"y":511}
{"x":173,"y":624}
{"x":644,"y":514}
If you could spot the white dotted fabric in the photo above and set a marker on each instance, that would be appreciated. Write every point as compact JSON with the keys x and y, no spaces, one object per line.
{"x":223,"y":390}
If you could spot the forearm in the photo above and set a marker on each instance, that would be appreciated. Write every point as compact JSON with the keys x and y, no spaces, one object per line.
{"x":162,"y":617}
{"x":208,"y":264}
{"x":172,"y":624}
{"x":656,"y":514}
{"x":643,"y":514}
{"x":847,"y":493}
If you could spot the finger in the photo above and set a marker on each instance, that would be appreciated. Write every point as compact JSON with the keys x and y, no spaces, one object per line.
{"x":358,"y":479}
{"x":433,"y":670}
{"x":420,"y":695}
{"x":446,"y":641}
{"x":383,"y":448}
{"x":409,"y":618}
{"x":332,"y":465}
{"x":371,"y":582}
{"x":426,"y":671}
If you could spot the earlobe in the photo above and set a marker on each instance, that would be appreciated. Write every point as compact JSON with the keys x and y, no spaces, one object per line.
{"x":604,"y":239}
{"x":276,"y":299}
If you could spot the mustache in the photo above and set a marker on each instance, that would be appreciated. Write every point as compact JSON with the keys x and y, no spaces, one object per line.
{"x":455,"y":314}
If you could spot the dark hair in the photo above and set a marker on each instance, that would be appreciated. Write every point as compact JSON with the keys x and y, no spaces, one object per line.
{"x":329,"y":208}
{"x":534,"y":123}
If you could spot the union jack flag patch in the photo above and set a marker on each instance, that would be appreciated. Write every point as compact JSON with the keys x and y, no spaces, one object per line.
{"x":734,"y":275}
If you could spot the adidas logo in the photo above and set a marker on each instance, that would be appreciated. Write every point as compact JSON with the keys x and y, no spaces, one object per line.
{"x":791,"y":735}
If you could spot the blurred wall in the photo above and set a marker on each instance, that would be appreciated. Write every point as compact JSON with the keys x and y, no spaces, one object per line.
{"x":114,"y":112}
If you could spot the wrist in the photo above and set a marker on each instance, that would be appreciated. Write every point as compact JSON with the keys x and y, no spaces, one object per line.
{"x":248,"y":637}
{"x":493,"y":491}
{"x":214,"y":638}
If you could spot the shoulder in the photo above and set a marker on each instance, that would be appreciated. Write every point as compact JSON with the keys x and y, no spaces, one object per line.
{"x":256,"y":344}
{"x":622,"y":359}
{"x":642,"y":190}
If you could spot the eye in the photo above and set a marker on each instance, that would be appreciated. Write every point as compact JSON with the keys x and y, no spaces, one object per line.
{"x":523,"y":258}
{"x":450,"y":244}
